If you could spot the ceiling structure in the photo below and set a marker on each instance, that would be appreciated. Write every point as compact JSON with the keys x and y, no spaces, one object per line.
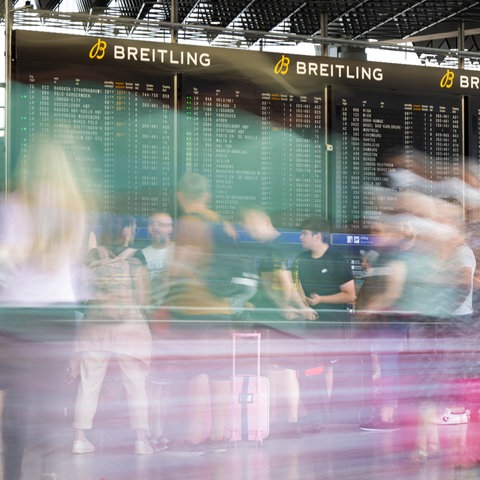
{"x":438,"y":29}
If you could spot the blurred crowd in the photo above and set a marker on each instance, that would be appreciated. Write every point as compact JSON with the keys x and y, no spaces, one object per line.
{"x":74,"y":302}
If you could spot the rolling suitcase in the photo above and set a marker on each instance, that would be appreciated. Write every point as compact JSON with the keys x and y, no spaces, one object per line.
{"x":250,"y":419}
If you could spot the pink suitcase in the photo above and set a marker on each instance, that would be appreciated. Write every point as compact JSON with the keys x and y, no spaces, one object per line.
{"x":250,"y":419}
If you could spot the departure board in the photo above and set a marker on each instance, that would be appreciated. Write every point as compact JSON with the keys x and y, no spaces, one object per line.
{"x":256,"y":146}
{"x":297,"y":135}
{"x":366,"y":124}
{"x":115,"y":126}
{"x":474,"y":136}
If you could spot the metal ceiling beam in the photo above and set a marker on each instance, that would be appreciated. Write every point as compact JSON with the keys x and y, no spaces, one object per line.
{"x":256,"y":20}
{"x":105,"y":20}
{"x":443,"y":19}
{"x":434,"y":36}
{"x":289,"y":16}
{"x":378,"y":25}
{"x":340,"y":17}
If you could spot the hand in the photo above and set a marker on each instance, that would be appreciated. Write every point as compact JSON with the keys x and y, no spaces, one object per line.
{"x":292,"y":314}
{"x":310,"y":314}
{"x":229,"y":230}
{"x":313,"y":299}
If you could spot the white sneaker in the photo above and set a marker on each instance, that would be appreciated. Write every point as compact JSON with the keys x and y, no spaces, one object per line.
{"x":83,"y":446}
{"x":142,"y":447}
{"x":449,"y":418}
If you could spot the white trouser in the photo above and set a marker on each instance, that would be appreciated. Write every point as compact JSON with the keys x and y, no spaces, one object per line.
{"x":93,"y":367}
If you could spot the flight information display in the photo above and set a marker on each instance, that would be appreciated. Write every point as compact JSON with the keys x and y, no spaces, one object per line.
{"x":296,"y":135}
{"x":474,"y":136}
{"x":264,"y":147}
{"x":118,"y":132}
{"x":366,"y":125}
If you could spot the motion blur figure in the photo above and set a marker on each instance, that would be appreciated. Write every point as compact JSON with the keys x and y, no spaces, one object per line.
{"x":381,"y":324}
{"x":433,"y":280}
{"x":279,"y":314}
{"x":158,"y":256}
{"x":114,"y":327}
{"x":42,"y":226}
{"x":201,"y":326}
{"x":410,"y":170}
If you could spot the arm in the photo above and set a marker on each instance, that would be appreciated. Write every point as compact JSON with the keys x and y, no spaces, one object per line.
{"x":288,"y":298}
{"x":394,"y":285}
{"x":141,"y":281}
{"x":464,"y":284}
{"x":310,"y":313}
{"x":346,"y":294}
{"x":192,"y":244}
{"x":142,"y":290}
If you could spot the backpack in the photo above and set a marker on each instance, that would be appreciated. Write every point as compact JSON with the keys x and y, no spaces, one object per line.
{"x":111,"y":292}
{"x":231,"y":271}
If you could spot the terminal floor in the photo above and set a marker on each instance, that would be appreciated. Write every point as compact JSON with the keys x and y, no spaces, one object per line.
{"x":340,"y":452}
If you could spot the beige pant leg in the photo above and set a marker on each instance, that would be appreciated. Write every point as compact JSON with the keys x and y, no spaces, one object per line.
{"x":134,"y":374}
{"x":93,"y":367}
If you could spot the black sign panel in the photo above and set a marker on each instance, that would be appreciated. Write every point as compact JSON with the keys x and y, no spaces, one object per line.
{"x":366,"y":125}
{"x":261,"y":146}
{"x":115,"y":125}
{"x":254,"y":123}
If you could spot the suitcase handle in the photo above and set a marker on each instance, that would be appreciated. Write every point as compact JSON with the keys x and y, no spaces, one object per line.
{"x":237,"y":335}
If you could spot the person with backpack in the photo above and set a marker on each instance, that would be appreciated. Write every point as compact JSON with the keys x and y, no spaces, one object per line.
{"x":114,"y":326}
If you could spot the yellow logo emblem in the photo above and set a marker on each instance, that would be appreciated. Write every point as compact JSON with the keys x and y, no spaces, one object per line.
{"x":98,"y":50}
{"x":447,"y":80}
{"x":282,"y":66}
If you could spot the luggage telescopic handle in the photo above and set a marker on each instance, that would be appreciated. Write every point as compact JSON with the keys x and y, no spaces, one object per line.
{"x":236,"y":335}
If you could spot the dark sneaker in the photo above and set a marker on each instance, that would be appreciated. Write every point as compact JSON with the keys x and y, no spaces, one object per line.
{"x":185,"y":450}
{"x":377,"y":425}
{"x":214,"y":447}
{"x":313,"y":427}
{"x":160,"y":443}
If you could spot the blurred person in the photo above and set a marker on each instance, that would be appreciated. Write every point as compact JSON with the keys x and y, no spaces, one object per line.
{"x":278,"y":313}
{"x":158,"y":256}
{"x":427,"y":297}
{"x":404,"y":169}
{"x":114,"y":327}
{"x":368,"y":261}
{"x":381,"y":325}
{"x":458,"y":341}
{"x":201,"y":326}
{"x":42,"y":226}
{"x":327,"y":285}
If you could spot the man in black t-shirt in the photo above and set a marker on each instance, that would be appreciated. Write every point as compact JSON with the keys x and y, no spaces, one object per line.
{"x":326,"y":282}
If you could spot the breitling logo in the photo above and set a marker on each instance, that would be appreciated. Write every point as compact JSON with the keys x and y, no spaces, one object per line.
{"x":447,"y":80}
{"x":282,"y":66}
{"x":98,"y":50}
